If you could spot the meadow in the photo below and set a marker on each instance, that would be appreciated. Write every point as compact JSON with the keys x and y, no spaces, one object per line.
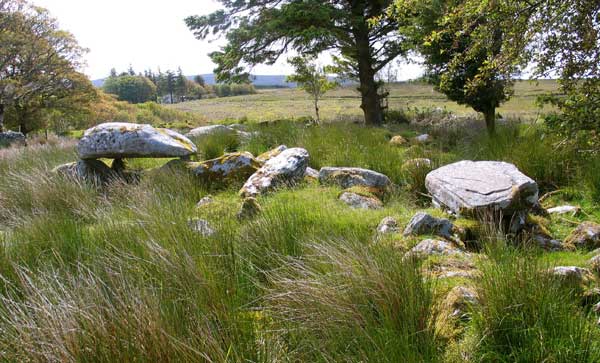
{"x":114,"y":274}
{"x":342,"y":104}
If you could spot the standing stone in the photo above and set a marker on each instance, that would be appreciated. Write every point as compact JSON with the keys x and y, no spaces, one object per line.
{"x":286,"y":168}
{"x":117,"y":140}
{"x":354,"y":177}
{"x":466,"y":187}
{"x":93,"y":171}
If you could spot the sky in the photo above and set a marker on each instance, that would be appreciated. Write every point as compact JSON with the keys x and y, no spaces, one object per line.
{"x":147,"y":34}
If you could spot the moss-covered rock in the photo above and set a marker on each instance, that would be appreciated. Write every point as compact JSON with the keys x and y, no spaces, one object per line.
{"x":398,"y":140}
{"x":228,"y":169}
{"x":249,"y":209}
{"x":586,"y":235}
{"x":266,"y":156}
{"x":454,"y":310}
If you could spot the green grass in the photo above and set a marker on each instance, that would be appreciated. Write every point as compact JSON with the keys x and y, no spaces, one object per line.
{"x":343,"y":103}
{"x":115,"y":274}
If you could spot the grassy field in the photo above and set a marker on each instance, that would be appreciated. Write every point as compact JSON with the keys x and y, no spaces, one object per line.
{"x":343,"y":103}
{"x":114,"y":273}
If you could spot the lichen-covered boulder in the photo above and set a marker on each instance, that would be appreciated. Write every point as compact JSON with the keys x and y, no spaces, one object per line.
{"x":311,"y":174}
{"x":432,"y":247}
{"x":354,"y":177}
{"x":360,"y":201}
{"x":93,"y":171}
{"x":266,"y":156}
{"x":466,"y":187}
{"x":423,"y":223}
{"x":117,"y":140}
{"x":12,"y":138}
{"x":285,"y":169}
{"x":586,"y":235}
{"x":571,"y":274}
{"x":398,"y":140}
{"x":229,"y":168}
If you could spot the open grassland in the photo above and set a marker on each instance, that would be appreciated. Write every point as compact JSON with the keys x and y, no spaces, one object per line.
{"x":114,"y":274}
{"x":343,"y":103}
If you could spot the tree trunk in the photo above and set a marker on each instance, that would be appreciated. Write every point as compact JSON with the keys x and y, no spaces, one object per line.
{"x":317,"y":111}
{"x":368,"y":88}
{"x":1,"y":118}
{"x":490,"y":120}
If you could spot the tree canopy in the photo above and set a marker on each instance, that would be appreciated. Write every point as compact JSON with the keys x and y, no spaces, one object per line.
{"x":363,"y":34}
{"x":38,"y":66}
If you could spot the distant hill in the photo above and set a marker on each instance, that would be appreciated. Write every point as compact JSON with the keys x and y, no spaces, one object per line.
{"x":257,"y":80}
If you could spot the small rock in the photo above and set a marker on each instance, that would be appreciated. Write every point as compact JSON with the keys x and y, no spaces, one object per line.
{"x":201,"y":226}
{"x":586,"y":235}
{"x":359,"y":201}
{"x":388,"y":225}
{"x":398,"y":140}
{"x":204,"y":201}
{"x":564,"y":209}
{"x":548,"y":243}
{"x":286,"y":168}
{"x":354,"y":177}
{"x":12,"y":138}
{"x":422,"y":139}
{"x":572,"y":274}
{"x":271,"y":153}
{"x":431,"y":247}
{"x":311,"y":173}
{"x":118,"y":140}
{"x":249,"y":209}
{"x":423,"y":223}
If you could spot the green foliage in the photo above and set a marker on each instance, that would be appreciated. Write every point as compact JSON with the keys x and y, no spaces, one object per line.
{"x":133,"y":89}
{"x":39,"y":81}
{"x":312,"y":79}
{"x":364,"y":34}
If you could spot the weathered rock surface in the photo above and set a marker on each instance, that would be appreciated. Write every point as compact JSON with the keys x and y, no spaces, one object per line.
{"x":398,"y":140}
{"x":204,"y":201}
{"x":423,"y":223}
{"x":564,"y":209}
{"x":354,"y":177}
{"x":586,"y":235}
{"x":548,"y":243}
{"x":118,"y":140}
{"x":358,"y":201}
{"x":210,"y":130}
{"x":459,"y":300}
{"x":571,"y":274}
{"x":286,"y":168}
{"x":94,"y":171}
{"x":266,"y":156}
{"x":249,"y":209}
{"x":12,"y":138}
{"x":431,"y":247}
{"x":232,"y":167}
{"x":595,"y":264}
{"x":466,"y":187}
{"x":311,"y":173}
{"x":201,"y":226}
{"x":422,"y":139}
{"x":388,"y":225}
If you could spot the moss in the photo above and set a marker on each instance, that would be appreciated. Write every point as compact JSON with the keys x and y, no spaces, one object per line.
{"x":363,"y":191}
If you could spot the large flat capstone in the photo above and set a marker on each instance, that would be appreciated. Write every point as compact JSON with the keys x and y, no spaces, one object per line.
{"x":116,"y":140}
{"x":466,"y":187}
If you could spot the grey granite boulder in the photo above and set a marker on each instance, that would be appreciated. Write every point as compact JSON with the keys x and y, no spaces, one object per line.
{"x":210,"y":130}
{"x":354,"y":177}
{"x":287,"y":168}
{"x":466,"y":187}
{"x":117,"y":140}
{"x":586,"y":235}
{"x":423,"y":223}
